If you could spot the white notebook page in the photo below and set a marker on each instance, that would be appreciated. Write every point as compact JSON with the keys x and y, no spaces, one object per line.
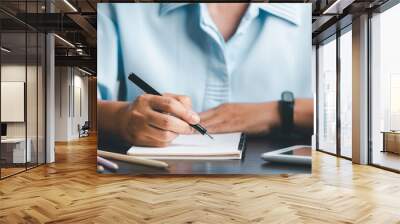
{"x":225,"y":145}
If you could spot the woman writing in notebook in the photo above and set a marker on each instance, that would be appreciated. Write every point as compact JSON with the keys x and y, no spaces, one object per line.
{"x":234,"y":67}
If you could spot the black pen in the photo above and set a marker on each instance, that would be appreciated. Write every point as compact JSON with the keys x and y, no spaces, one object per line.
{"x":150,"y":90}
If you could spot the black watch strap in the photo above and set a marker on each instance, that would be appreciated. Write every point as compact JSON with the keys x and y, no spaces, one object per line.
{"x":286,"y":108}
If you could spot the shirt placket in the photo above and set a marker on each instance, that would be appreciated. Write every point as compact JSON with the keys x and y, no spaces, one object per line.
{"x":217,"y":88}
{"x":222,"y":58}
{"x":235,"y":47}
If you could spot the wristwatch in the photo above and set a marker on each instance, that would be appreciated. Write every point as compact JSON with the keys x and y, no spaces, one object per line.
{"x":286,"y":107}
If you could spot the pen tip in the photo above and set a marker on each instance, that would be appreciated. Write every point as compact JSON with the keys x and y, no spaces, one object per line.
{"x":209,"y":136}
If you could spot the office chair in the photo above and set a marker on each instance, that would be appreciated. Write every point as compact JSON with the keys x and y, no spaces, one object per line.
{"x":84,"y":130}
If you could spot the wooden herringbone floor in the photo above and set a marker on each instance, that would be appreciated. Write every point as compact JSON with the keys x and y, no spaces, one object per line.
{"x":70,"y":191}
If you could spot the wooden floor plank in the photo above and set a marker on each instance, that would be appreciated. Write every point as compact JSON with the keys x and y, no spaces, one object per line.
{"x":70,"y":191}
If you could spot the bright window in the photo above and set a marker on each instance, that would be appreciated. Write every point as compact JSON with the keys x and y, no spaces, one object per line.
{"x":327,"y":96}
{"x":346,"y":94}
{"x":385,"y":102}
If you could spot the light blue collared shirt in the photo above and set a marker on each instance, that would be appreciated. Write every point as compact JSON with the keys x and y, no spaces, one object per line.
{"x":177,"y":48}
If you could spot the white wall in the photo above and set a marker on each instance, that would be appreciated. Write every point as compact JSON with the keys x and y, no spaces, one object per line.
{"x":33,"y":127}
{"x":71,"y":93}
{"x":80,"y":100}
{"x":61,"y":103}
{"x":12,"y":73}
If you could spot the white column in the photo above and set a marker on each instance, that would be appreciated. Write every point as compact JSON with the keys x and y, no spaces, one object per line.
{"x":314,"y":91}
{"x":50,"y":99}
{"x":360,"y":90}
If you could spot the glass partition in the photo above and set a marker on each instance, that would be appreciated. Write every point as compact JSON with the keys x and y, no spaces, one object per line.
{"x":346,"y":93}
{"x":15,"y":151}
{"x":385,"y":89}
{"x":22,"y":77}
{"x":327,"y":96}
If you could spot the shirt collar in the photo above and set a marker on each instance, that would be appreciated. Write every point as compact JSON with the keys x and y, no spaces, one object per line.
{"x":165,"y":8}
{"x":286,"y":11}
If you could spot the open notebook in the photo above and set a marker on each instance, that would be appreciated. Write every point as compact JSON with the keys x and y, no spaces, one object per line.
{"x":224,"y":146}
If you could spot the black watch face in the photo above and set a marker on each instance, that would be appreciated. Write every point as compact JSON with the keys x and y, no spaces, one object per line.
{"x":287,"y":96}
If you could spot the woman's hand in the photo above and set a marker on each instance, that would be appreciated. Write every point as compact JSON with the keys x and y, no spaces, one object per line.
{"x":156,"y":120}
{"x":251,"y":118}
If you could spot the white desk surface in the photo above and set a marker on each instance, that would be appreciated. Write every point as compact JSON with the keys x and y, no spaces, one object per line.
{"x":13,"y":140}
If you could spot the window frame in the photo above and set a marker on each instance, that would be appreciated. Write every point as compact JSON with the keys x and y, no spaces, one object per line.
{"x":333,"y":37}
